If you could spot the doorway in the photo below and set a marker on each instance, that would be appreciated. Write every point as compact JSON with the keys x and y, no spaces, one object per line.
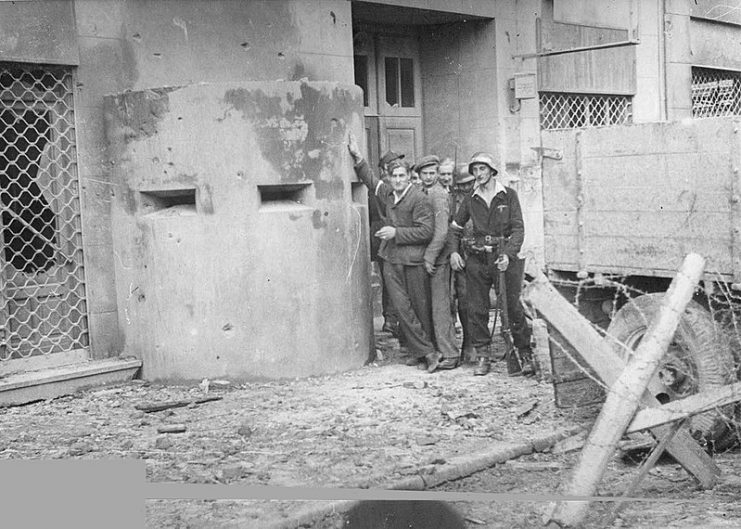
{"x":387,"y":68}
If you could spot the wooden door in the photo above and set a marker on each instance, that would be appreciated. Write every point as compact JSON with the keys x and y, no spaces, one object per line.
{"x":387,"y":68}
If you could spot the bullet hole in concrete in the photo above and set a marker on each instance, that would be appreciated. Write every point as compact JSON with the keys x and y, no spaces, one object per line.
{"x":326,"y":213}
{"x":180,"y":118}
{"x":79,"y":84}
{"x":245,"y":45}
{"x":240,"y":174}
{"x":155,"y":160}
{"x":136,"y":37}
{"x":157,"y":55}
{"x":334,"y":17}
{"x":218,"y":357}
{"x":170,"y":164}
{"x":141,"y":297}
{"x":170,"y":235}
{"x":281,"y":55}
{"x":227,"y":327}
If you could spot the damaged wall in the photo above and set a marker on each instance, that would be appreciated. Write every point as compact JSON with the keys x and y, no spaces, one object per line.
{"x":115,"y":46}
{"x":241,"y":241}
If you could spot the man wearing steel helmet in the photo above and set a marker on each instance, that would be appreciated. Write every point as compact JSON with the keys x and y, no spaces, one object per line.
{"x":495,"y":213}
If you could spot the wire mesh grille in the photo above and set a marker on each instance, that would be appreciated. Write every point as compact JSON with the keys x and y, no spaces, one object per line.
{"x":715,"y":93}
{"x":572,"y":111}
{"x":42,"y":299}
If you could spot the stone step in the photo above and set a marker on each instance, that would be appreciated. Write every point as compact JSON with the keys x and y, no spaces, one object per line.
{"x":22,"y":388}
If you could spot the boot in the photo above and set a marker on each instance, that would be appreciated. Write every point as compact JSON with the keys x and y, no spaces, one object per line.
{"x":526,"y":358}
{"x":468,"y":355}
{"x":483,"y":366}
{"x":449,"y":363}
{"x":433,"y":360}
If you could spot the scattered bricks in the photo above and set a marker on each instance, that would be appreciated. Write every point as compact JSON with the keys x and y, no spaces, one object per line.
{"x":171,"y":428}
{"x":163,"y":443}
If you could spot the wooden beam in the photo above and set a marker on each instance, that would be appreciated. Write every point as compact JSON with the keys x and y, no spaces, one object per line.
{"x":599,"y":355}
{"x":681,"y":409}
{"x":624,"y":396}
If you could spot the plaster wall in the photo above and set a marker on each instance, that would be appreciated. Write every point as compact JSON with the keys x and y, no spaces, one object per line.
{"x":121,"y":45}
{"x":263,"y":272}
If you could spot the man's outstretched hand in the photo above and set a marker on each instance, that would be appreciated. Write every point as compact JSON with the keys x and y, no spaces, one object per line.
{"x":352,"y":146}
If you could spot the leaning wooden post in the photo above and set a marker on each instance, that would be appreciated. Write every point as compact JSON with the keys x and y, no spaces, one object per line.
{"x":598,"y":353}
{"x":624,"y":396}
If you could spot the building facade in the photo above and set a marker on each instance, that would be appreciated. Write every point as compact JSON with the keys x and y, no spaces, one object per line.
{"x":443,"y":77}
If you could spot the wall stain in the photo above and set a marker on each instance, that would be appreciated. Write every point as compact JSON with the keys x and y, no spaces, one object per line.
{"x":317,"y":220}
{"x":299,"y":137}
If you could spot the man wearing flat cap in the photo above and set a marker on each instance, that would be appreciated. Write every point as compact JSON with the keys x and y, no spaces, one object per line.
{"x":498,"y":230}
{"x":404,"y":238}
{"x":377,"y":219}
{"x":437,"y":262}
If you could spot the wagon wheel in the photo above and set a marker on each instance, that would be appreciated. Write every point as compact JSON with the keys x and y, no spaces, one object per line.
{"x":698,"y":359}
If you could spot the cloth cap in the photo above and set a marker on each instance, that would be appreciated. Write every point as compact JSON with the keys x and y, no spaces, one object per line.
{"x":389,"y":157}
{"x":485,"y":158}
{"x":426,"y":161}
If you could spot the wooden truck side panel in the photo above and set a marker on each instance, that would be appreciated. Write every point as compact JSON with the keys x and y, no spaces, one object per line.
{"x":636,"y":199}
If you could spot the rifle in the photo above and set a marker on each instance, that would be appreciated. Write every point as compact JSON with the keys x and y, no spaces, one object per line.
{"x":511,"y":354}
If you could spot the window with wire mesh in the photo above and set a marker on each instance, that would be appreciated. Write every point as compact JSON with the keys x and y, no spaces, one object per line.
{"x":573,"y":111}
{"x":42,"y":294}
{"x":715,"y":93}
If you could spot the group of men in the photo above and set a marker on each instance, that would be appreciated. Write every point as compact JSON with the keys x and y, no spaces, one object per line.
{"x":441,"y":240}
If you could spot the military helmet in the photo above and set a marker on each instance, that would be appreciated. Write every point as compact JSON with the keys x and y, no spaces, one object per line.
{"x":485,"y":158}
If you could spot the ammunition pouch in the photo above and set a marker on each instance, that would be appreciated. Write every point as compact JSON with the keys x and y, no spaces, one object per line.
{"x":483,"y":245}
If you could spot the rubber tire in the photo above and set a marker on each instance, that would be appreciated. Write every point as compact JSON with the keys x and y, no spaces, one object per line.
{"x":706,"y":348}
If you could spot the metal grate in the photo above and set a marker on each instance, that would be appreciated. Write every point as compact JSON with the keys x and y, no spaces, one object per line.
{"x":573,"y":111}
{"x":715,"y":93}
{"x":42,"y":289}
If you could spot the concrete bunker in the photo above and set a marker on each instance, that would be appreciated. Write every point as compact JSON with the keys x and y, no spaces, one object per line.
{"x":240,"y":240}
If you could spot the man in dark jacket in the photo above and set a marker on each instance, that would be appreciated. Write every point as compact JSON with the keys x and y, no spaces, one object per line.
{"x":377,"y":219}
{"x":404,"y":239}
{"x":497,"y":217}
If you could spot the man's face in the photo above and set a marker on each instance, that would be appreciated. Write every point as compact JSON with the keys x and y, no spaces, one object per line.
{"x":428,"y":175}
{"x":446,"y":175}
{"x":415,"y":179}
{"x":399,"y":179}
{"x":482,"y":173}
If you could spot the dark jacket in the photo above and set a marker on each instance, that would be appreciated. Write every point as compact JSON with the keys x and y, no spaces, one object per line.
{"x":437,"y":251}
{"x":412,"y":217}
{"x":503,"y":218}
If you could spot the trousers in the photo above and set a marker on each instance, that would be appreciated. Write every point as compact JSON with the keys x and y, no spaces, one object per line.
{"x":409,"y":290}
{"x":480,"y":276}
{"x":442,"y":319}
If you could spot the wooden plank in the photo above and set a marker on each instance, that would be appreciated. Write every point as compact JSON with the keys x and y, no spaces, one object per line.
{"x":566,"y":319}
{"x":735,"y":184}
{"x":581,"y":199}
{"x":637,"y":223}
{"x":686,"y":407}
{"x":625,"y":394}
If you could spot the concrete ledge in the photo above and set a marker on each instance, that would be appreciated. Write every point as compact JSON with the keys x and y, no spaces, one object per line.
{"x":456,"y":469}
{"x":22,"y":388}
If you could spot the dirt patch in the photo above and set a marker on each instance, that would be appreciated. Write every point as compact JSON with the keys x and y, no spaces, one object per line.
{"x":356,"y":429}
